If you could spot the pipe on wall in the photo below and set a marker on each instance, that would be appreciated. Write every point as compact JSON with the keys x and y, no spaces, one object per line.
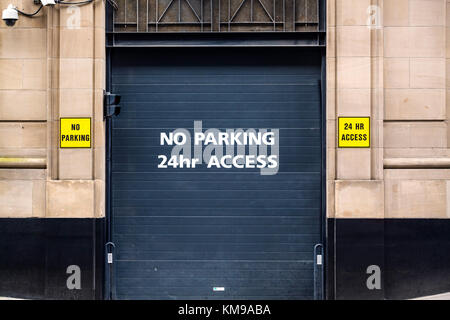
{"x":416,"y":163}
{"x":22,"y":162}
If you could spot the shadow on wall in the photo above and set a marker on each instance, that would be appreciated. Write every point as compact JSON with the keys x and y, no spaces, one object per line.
{"x":413,"y":256}
{"x":35,"y":255}
{"x":417,"y":254}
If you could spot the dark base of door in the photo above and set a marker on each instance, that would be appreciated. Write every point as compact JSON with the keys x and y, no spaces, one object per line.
{"x":412,"y":255}
{"x":35,"y":254}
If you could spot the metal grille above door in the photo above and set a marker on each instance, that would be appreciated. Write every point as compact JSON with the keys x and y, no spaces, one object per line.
{"x":215,"y":233}
{"x":216,"y":16}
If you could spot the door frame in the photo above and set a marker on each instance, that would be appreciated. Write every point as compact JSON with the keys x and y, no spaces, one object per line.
{"x":327,"y":276}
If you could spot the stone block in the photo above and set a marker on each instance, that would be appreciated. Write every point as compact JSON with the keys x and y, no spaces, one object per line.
{"x":359,"y":199}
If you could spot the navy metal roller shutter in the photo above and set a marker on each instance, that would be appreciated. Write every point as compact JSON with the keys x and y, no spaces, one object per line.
{"x":179,"y":233}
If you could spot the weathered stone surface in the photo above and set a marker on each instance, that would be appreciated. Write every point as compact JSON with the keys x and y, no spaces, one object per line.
{"x":70,"y":199}
{"x":424,"y":199}
{"x":359,"y":199}
{"x":16,"y":199}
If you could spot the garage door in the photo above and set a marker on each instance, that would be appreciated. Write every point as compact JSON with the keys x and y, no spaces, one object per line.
{"x":215,"y":233}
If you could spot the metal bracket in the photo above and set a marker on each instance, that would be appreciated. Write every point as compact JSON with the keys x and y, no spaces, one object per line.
{"x":109,"y":254}
{"x":109,"y":278}
{"x":318,"y":271}
{"x":111,"y":105}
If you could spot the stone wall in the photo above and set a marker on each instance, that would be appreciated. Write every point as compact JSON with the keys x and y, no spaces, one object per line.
{"x":389,"y":205}
{"x":51,"y":66}
{"x":388,"y":60}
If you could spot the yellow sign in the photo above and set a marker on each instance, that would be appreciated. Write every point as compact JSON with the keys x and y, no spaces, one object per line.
{"x":354,"y":132}
{"x":75,"y":133}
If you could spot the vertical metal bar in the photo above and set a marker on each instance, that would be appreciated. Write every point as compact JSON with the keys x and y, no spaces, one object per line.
{"x":318,"y":14}
{"x":108,"y":174}
{"x":318,"y":271}
{"x":295,"y":15}
{"x":274,"y":17}
{"x":201,"y":15}
{"x":229,"y":15}
{"x":251,"y":10}
{"x":319,"y":250}
{"x":137,"y":15}
{"x":323,"y":220}
{"x":179,"y":10}
{"x":94,"y":255}
{"x":146,"y":25}
{"x":114,"y":20}
{"x":125,"y":20}
{"x":284,"y":15}
{"x":156,"y":15}
{"x":111,"y":287}
{"x":306,"y":12}
{"x":109,"y":23}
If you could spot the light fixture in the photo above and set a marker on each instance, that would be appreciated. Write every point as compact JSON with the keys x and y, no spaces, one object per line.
{"x":48,"y":2}
{"x":10,"y":15}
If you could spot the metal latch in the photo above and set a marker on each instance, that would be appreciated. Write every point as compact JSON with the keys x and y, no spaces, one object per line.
{"x":318,"y":272}
{"x":111,"y":104}
{"x":319,"y":259}
{"x":109,"y":254}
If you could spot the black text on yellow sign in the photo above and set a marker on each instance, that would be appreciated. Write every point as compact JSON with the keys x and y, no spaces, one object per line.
{"x":75,"y":133}
{"x":354,"y":132}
